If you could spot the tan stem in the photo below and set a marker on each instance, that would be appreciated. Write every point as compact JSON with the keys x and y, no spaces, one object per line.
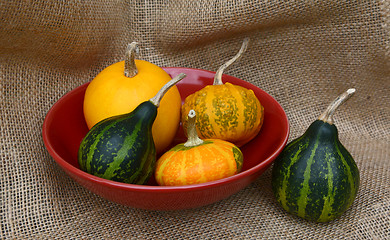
{"x":193,"y":138}
{"x":327,"y":116}
{"x":218,"y":74}
{"x":157,"y":98}
{"x":130,"y":67}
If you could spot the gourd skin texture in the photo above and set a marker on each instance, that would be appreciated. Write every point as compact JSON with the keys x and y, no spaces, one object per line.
{"x":228,"y":112}
{"x":121,"y":148}
{"x":315,"y":177}
{"x":111,"y":93}
{"x":212,"y":160}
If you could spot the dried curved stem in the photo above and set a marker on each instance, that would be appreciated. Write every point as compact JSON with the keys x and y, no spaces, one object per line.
{"x":193,"y":138}
{"x":130,"y":67}
{"x":327,"y":116}
{"x":157,"y":98}
{"x":218,"y":74}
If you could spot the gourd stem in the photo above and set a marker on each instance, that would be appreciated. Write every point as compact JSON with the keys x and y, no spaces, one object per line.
{"x":157,"y":98}
{"x":130,"y":67}
{"x":193,"y":138}
{"x":218,"y":74}
{"x":327,"y":116}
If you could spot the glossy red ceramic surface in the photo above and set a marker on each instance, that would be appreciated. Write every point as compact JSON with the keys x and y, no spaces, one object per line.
{"x":64,"y":127}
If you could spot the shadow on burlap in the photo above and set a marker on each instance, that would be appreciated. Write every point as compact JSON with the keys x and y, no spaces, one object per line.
{"x":303,"y":54}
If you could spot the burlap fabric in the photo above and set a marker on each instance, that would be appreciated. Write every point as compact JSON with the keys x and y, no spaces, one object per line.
{"x":303,"y":53}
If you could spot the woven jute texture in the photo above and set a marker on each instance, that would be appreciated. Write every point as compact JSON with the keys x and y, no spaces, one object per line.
{"x":303,"y":53}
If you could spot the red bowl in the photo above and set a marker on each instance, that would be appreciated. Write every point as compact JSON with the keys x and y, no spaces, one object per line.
{"x":64,"y":127}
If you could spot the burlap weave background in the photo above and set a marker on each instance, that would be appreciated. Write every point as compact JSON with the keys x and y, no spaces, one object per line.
{"x":303,"y":53}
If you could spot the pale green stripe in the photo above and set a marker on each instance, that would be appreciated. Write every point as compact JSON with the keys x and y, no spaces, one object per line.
{"x":123,"y":151}
{"x":329,"y":199}
{"x":282,"y":190}
{"x":92,"y":148}
{"x":144,"y":177}
{"x":305,"y":190}
{"x":350,"y":178}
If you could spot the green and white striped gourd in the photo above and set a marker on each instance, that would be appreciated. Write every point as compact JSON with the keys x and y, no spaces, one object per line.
{"x":121,"y":148}
{"x":315,"y":177}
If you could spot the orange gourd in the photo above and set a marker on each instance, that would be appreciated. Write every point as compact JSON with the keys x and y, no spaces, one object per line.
{"x":121,"y":87}
{"x":198,"y":161}
{"x":225,"y":111}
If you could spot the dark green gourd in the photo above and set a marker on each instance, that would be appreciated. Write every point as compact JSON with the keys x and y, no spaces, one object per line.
{"x":121,"y":148}
{"x":315,"y":177}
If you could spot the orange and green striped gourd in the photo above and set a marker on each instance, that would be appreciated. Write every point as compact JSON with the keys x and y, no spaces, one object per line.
{"x":315,"y":177}
{"x":225,"y":111}
{"x":198,"y":161}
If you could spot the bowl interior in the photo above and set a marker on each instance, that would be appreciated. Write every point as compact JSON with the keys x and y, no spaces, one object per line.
{"x":65,"y":127}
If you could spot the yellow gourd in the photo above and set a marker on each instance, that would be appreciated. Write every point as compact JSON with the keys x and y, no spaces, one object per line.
{"x":121,"y":87}
{"x":225,"y":111}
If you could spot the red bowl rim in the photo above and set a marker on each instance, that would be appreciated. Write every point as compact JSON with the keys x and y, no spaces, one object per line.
{"x":161,"y":189}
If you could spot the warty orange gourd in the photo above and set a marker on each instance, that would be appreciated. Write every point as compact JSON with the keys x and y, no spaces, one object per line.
{"x":225,"y":111}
